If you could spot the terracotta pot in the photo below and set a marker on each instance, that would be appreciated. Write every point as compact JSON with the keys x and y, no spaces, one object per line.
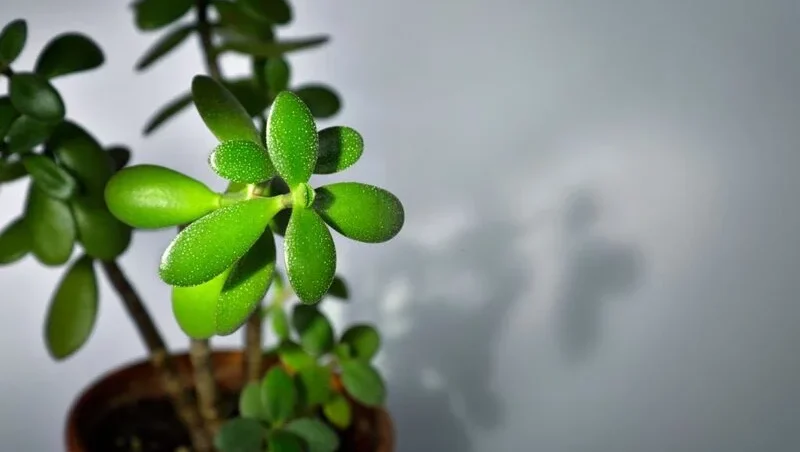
{"x":138,"y":381}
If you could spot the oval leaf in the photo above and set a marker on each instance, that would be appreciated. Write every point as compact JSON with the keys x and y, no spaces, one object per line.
{"x":52,"y":227}
{"x":164,"y":45}
{"x":8,"y":114}
{"x":166,"y":112}
{"x":363,"y":341}
{"x":310,"y":255}
{"x":102,"y":235}
{"x":240,"y":434}
{"x":34,"y":96}
{"x":277,"y":73}
{"x":280,"y":323}
{"x":49,"y":177}
{"x":224,"y":116}
{"x":12,"y":41}
{"x":152,"y":197}
{"x":292,"y":139}
{"x":195,"y":307}
{"x":339,"y":289}
{"x":360,"y":212}
{"x":314,"y":329}
{"x":80,"y":153}
{"x":278,"y":395}
{"x":314,"y":385}
{"x":250,"y":402}
{"x":68,"y":53}
{"x":26,"y":133}
{"x":321,"y":100}
{"x":213,"y":243}
{"x":339,"y":148}
{"x":155,"y":14}
{"x":241,"y":161}
{"x":73,"y":310}
{"x":15,"y":242}
{"x":283,"y":441}
{"x":294,"y":357}
{"x":363,"y":382}
{"x":338,"y":411}
{"x":317,"y":436}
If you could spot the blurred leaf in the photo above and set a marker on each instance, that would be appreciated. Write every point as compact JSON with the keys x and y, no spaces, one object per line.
{"x":313,"y":328}
{"x":250,"y":402}
{"x":155,"y":14}
{"x":293,"y":356}
{"x":12,"y":41}
{"x":310,"y":255}
{"x":278,"y":395}
{"x":238,"y":25}
{"x":49,"y":177}
{"x":11,"y":171}
{"x":283,"y":441}
{"x":51,"y":225}
{"x":321,"y":100}
{"x":165,"y":44}
{"x":314,"y":385}
{"x":271,"y":49}
{"x":79,"y":152}
{"x":339,"y":148}
{"x":240,"y":435}
{"x":166,"y":112}
{"x":280,"y":323}
{"x":120,"y":156}
{"x":363,"y":382}
{"x":73,"y":310}
{"x":318,"y":436}
{"x":338,"y":411}
{"x":7,"y":115}
{"x":363,"y":340}
{"x":253,"y":99}
{"x":278,"y":74}
{"x":102,"y":235}
{"x":270,"y":11}
{"x":195,"y":307}
{"x":339,"y":288}
{"x":15,"y":241}
{"x":33,"y":95}
{"x":26,"y":133}
{"x":361,"y":212}
{"x":221,"y":112}
{"x":68,"y":53}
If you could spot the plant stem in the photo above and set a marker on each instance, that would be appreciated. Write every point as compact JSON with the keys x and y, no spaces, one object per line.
{"x":204,"y":31}
{"x":159,"y":357}
{"x":252,"y":350}
{"x":200,"y":354}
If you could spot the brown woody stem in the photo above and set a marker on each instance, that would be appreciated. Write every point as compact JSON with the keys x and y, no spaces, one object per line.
{"x":200,"y":354}
{"x":252,"y":348}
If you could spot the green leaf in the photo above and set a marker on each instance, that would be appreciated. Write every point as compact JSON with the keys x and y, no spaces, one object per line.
{"x":51,"y":225}
{"x":68,"y":53}
{"x":272,"y":49}
{"x":12,"y":41}
{"x":278,"y":395}
{"x":241,"y":161}
{"x":26,"y":133}
{"x":8,"y":114}
{"x":120,"y":156}
{"x":283,"y":441}
{"x":80,"y":153}
{"x":270,"y":11}
{"x":234,"y":21}
{"x":310,"y":255}
{"x":224,"y":116}
{"x":49,"y":177}
{"x":155,"y":14}
{"x":281,"y":221}
{"x":240,"y":435}
{"x":339,"y":288}
{"x":152,"y":197}
{"x":339,"y":148}
{"x":11,"y":171}
{"x":34,"y":96}
{"x":166,"y":112}
{"x":314,"y":385}
{"x":253,"y":99}
{"x":359,"y":211}
{"x":318,"y":436}
{"x":314,"y":329}
{"x":15,"y":241}
{"x":73,"y":310}
{"x":213,"y":243}
{"x":280,"y":323}
{"x":102,"y":235}
{"x":321,"y":100}
{"x":250,"y":402}
{"x":278,"y":73}
{"x":363,"y":382}
{"x":342,"y":352}
{"x":292,"y":139}
{"x":338,"y":411}
{"x":363,"y":340}
{"x":293,"y":356}
{"x":195,"y":307}
{"x":247,"y":285}
{"x":167,"y":43}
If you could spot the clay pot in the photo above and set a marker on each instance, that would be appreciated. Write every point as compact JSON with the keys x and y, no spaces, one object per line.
{"x":138,"y":381}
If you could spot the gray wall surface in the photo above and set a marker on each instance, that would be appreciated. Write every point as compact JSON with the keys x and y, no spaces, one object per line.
{"x":601,"y":247}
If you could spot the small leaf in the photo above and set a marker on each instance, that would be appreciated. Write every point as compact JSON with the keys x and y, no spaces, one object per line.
{"x":363,"y":382}
{"x":11,"y":171}
{"x":8,"y":114}
{"x":342,"y":352}
{"x":314,"y":385}
{"x":270,"y":11}
{"x":314,"y":329}
{"x":283,"y":441}
{"x":15,"y":242}
{"x":240,"y":434}
{"x":318,"y":436}
{"x":12,"y":41}
{"x":120,"y":156}
{"x":51,"y":225}
{"x":155,"y":14}
{"x":49,"y":177}
{"x":321,"y":100}
{"x":241,"y":161}
{"x":152,"y":197}
{"x":68,"y":53}
{"x":213,"y":243}
{"x":164,"y":45}
{"x":250,"y":402}
{"x":102,"y":235}
{"x":26,"y":133}
{"x":338,"y":411}
{"x":310,"y":255}
{"x":34,"y":96}
{"x":360,"y":212}
{"x":278,"y":395}
{"x":73,"y":310}
{"x":363,"y":340}
{"x":278,"y":74}
{"x":166,"y":112}
{"x":80,"y":153}
{"x":339,"y":288}
{"x":236,"y":22}
{"x":339,"y":148}
{"x":292,"y":139}
{"x":274,"y":48}
{"x":294,"y":357}
{"x":195,"y":307}
{"x":224,"y":116}
{"x":280,"y":323}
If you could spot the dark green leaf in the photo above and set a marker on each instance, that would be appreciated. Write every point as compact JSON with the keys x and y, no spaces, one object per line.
{"x":363,"y":340}
{"x":292,"y":139}
{"x":310,"y":255}
{"x":120,"y":156}
{"x":359,"y":211}
{"x":15,"y":242}
{"x":166,"y":112}
{"x":80,"y":153}
{"x":280,"y":323}
{"x":12,"y":41}
{"x":164,"y":45}
{"x":293,"y":356}
{"x":363,"y":382}
{"x":278,"y":74}
{"x":49,"y":177}
{"x":238,"y":24}
{"x":26,"y":133}
{"x":34,"y":96}
{"x":283,"y":441}
{"x":241,"y":161}
{"x":68,"y":53}
{"x":253,"y":99}
{"x":278,"y":395}
{"x":11,"y":171}
{"x":313,"y":328}
{"x":318,"y":436}
{"x":73,"y":310}
{"x":240,"y":435}
{"x":224,"y":116}
{"x":338,"y":411}
{"x":321,"y":100}
{"x":274,"y":48}
{"x":339,"y":149}
{"x":270,"y":11}
{"x":102,"y":235}
{"x":314,"y":385}
{"x":8,"y":114}
{"x":250,"y":402}
{"x":155,"y":14}
{"x":51,"y":225}
{"x":339,"y":288}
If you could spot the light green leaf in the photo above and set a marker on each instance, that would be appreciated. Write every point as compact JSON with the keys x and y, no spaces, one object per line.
{"x":34,"y":96}
{"x":73,"y":310}
{"x":155,"y":14}
{"x":338,"y":411}
{"x":339,"y":148}
{"x":310,"y":255}
{"x":15,"y":241}
{"x":292,"y":139}
{"x":363,"y":382}
{"x":51,"y":225}
{"x":165,"y":44}
{"x":49,"y":177}
{"x":240,"y":435}
{"x":278,"y":395}
{"x":313,"y":328}
{"x":250,"y":402}
{"x":195,"y":307}
{"x":168,"y":111}
{"x":12,"y":41}
{"x":359,"y":211}
{"x":68,"y":53}
{"x":321,"y":100}
{"x":241,"y":161}
{"x":222,"y":113}
{"x":318,"y":436}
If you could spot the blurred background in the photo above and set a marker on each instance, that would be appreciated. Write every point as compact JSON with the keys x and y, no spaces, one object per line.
{"x":600,"y":251}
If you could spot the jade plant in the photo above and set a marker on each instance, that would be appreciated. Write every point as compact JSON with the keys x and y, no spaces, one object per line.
{"x":85,"y":202}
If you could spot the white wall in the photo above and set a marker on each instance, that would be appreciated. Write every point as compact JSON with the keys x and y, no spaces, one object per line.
{"x":600,"y":246}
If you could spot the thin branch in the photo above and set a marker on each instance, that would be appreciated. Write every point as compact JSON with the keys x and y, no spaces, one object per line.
{"x":252,"y":349}
{"x":206,"y":43}
{"x":200,"y":353}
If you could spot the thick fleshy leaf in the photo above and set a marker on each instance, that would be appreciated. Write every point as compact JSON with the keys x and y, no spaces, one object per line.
{"x":12,"y":41}
{"x":12,"y":170}
{"x":241,"y":161}
{"x":15,"y":241}
{"x":278,"y":395}
{"x":339,"y":289}
{"x":363,"y":382}
{"x":240,"y":434}
{"x":101,"y":234}
{"x":283,"y":441}
{"x":52,"y":227}
{"x":247,"y":285}
{"x":270,"y":11}
{"x":339,"y":148}
{"x":152,"y":197}
{"x":120,"y":156}
{"x":317,"y":436}
{"x":313,"y":328}
{"x":165,"y":44}
{"x":310,"y":255}
{"x":314,"y":385}
{"x":294,"y":357}
{"x":166,"y":112}
{"x":274,"y":48}
{"x":68,"y":53}
{"x":26,"y":133}
{"x":155,"y":14}
{"x":224,"y":116}
{"x":80,"y":153}
{"x":280,"y":323}
{"x":34,"y":96}
{"x":213,"y":243}
{"x":73,"y":310}
{"x":292,"y":139}
{"x":338,"y":411}
{"x":277,"y":73}
{"x":253,"y":99}
{"x":363,"y":341}
{"x":359,"y":211}
{"x":236,"y":22}
{"x":321,"y":100}
{"x":250,"y":402}
{"x":8,"y":114}
{"x":49,"y":177}
{"x":195,"y":307}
